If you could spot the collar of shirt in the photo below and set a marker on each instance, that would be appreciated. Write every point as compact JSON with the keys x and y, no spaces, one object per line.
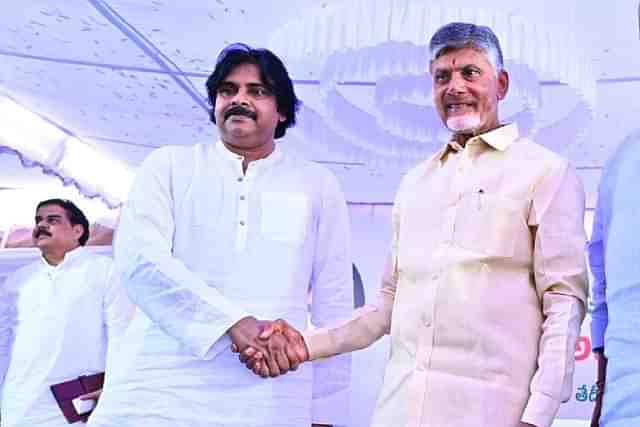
{"x":69,"y":257}
{"x":236,"y":159}
{"x":499,"y":139}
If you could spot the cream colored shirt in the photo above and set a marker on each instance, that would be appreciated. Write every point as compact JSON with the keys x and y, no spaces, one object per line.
{"x":485,"y":289}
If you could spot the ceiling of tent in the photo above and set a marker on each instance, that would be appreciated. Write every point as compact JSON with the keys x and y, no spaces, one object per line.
{"x":127,"y":76}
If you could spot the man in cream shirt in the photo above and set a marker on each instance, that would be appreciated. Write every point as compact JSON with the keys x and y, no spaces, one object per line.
{"x":216,"y":237}
{"x":62,"y":316}
{"x":486,"y":285}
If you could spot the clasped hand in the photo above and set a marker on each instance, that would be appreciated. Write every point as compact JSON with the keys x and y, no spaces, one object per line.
{"x":268,"y":348}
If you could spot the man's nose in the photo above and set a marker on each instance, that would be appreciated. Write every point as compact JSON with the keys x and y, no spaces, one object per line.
{"x":457,"y":84}
{"x":240,"y":98}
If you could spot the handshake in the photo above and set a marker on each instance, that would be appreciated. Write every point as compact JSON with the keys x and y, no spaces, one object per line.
{"x":268,"y":348}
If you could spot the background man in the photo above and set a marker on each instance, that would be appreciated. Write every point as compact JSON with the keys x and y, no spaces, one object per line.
{"x":487,"y":280}
{"x":66,"y":312}
{"x":614,"y":252}
{"x":213,"y":238}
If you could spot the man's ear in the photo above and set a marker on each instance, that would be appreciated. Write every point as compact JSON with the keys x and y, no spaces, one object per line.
{"x":78,"y":229}
{"x":503,"y":84}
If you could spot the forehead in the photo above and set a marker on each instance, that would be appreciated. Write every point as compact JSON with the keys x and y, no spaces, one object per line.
{"x":47,"y":210}
{"x":244,"y":73}
{"x":462,"y":57}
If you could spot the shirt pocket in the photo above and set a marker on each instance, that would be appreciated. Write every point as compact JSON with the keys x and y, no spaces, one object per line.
{"x":487,"y":224}
{"x":284,"y":217}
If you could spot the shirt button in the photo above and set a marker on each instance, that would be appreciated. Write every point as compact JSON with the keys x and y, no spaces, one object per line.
{"x":241,"y":222}
{"x":240,"y":179}
{"x":427,"y":320}
{"x":242,"y":197}
{"x":435,"y":277}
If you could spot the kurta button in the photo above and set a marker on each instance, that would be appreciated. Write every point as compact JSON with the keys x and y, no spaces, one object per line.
{"x":427,"y":320}
{"x":242,"y":197}
{"x":240,"y":179}
{"x":241,"y":222}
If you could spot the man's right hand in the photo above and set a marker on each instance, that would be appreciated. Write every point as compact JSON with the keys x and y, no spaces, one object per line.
{"x":266,"y":347}
{"x":284,"y":342}
{"x":244,"y":336}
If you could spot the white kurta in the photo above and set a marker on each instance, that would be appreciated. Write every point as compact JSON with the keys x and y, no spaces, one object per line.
{"x":66,"y":318}
{"x":202,"y":245}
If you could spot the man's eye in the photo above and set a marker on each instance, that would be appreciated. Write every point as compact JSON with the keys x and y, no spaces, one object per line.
{"x":441,"y":77}
{"x":471,"y":72}
{"x":225,"y":91}
{"x":261,"y":92}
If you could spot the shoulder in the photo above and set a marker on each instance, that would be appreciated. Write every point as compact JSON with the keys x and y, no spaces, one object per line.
{"x":626,"y":155}
{"x":536,"y":155}
{"x":316,"y":176}
{"x":98,"y":270}
{"x":170,"y":155}
{"x":417,"y":172}
{"x":98,"y":260}
{"x":94,"y":263}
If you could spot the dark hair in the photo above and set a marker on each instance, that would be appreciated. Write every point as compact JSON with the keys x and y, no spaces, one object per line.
{"x":457,"y":35}
{"x":272,"y":72}
{"x":74,"y":215}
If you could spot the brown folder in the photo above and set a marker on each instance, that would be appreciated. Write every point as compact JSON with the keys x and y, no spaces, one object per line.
{"x":66,"y":391}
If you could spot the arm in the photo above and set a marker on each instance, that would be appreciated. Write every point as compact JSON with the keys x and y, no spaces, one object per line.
{"x":118,"y":312}
{"x":332,"y":301}
{"x":600,"y":313}
{"x":170,"y":294}
{"x":557,"y":219}
{"x":367,"y":324}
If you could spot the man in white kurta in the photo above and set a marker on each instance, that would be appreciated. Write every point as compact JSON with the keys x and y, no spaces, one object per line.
{"x":216,"y":233}
{"x":61,"y":317}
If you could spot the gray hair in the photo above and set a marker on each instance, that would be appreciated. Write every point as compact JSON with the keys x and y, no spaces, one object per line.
{"x":458,"y":35}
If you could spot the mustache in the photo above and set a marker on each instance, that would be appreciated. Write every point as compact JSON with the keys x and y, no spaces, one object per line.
{"x":458,"y":100}
{"x":239,"y":110}
{"x":39,"y":232}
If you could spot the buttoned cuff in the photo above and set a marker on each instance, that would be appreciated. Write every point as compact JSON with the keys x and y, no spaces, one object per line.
{"x":319,"y":343}
{"x":540,"y":410}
